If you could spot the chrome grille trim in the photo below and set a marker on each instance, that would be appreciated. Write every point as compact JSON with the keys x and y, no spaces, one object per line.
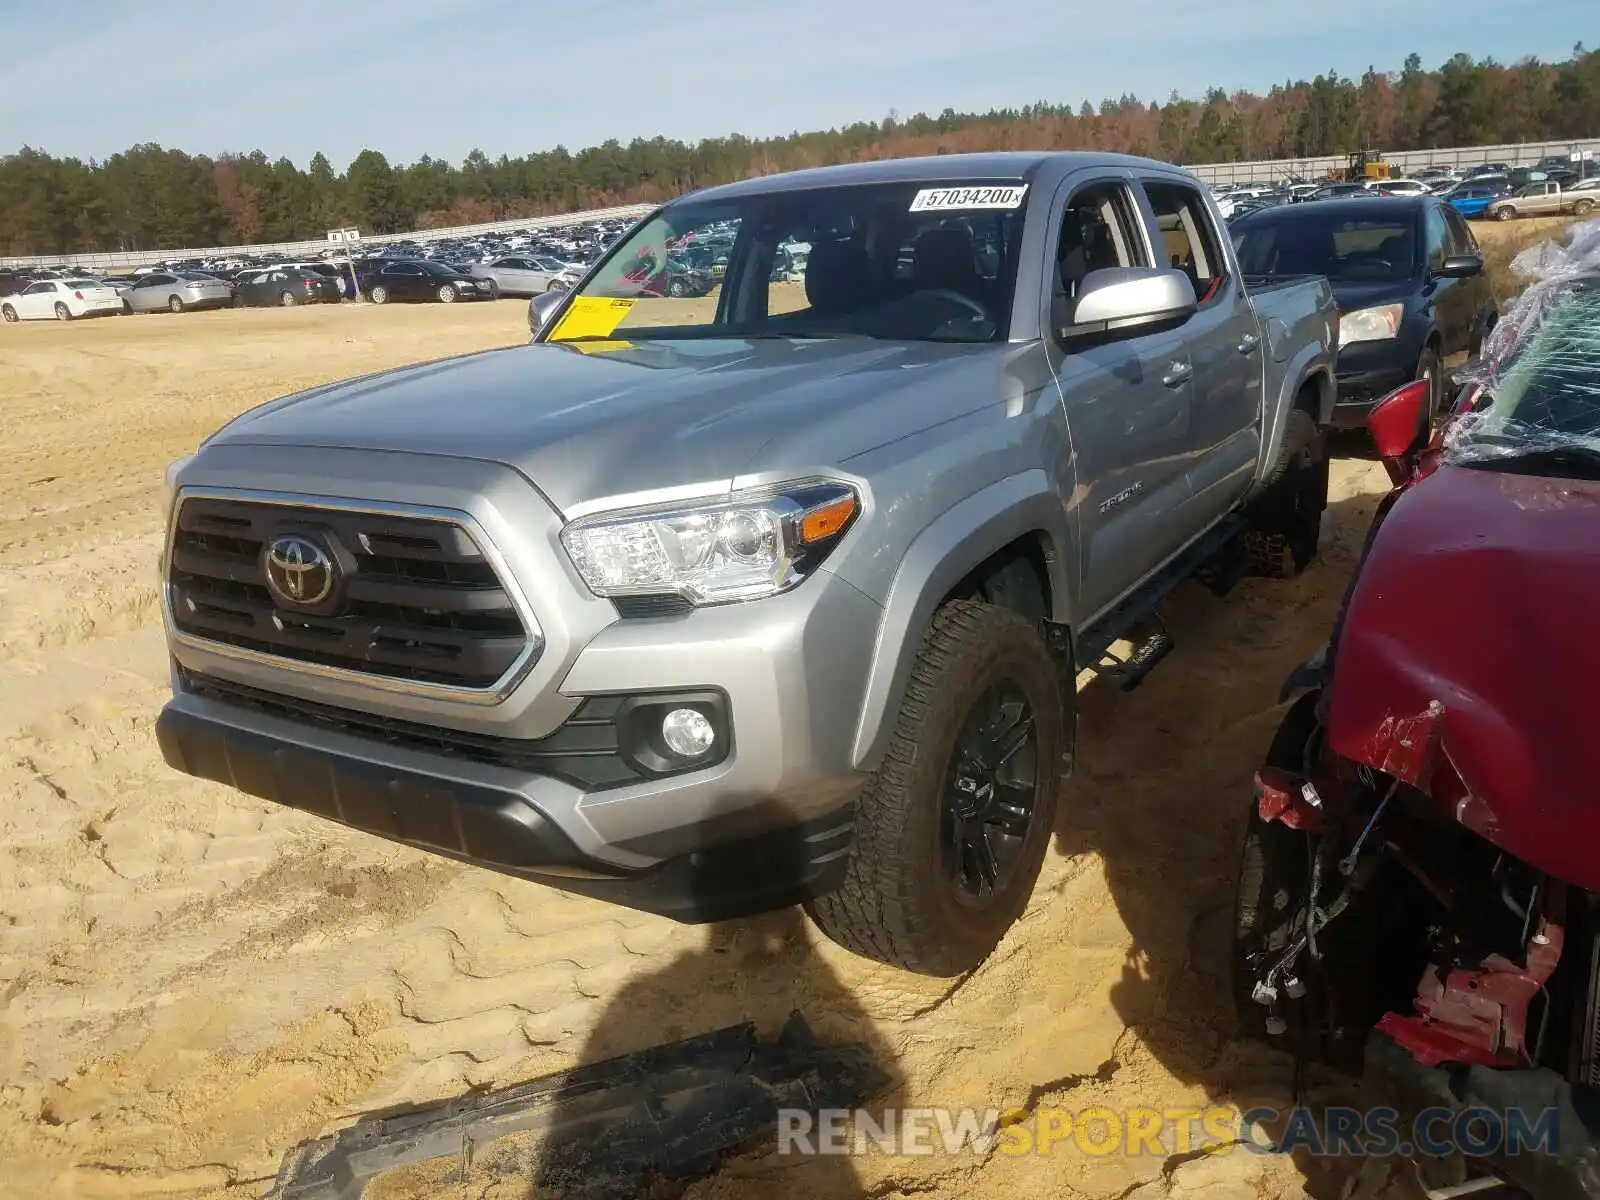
{"x":490,"y":694}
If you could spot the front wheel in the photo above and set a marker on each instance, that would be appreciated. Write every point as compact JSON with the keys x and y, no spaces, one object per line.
{"x":447,"y":294}
{"x":63,"y":313}
{"x":380,"y":295}
{"x":952,"y":829}
{"x":9,"y":314}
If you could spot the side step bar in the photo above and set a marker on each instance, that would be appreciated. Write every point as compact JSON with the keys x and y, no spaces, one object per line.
{"x":1217,"y":560}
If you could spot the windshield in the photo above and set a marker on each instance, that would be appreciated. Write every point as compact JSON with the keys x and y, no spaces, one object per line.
{"x":1546,"y":391}
{"x":1345,"y":249}
{"x":917,"y":261}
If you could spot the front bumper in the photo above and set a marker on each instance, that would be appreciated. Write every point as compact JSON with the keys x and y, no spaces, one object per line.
{"x":491,"y":817}
{"x":1360,"y":391}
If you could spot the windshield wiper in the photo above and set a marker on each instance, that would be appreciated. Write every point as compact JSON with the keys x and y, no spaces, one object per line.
{"x":1575,"y":460}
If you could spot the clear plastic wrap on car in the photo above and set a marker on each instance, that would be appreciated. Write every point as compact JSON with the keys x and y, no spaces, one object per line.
{"x":1538,"y":376}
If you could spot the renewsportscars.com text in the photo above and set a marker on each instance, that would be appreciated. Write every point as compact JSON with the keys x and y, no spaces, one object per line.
{"x":1101,"y":1131}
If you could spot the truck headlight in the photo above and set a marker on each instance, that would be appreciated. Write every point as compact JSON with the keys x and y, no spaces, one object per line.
{"x":1371,"y":324}
{"x":754,"y":544}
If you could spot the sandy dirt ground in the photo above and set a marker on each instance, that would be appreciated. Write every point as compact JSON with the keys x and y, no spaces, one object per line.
{"x":192,"y":981}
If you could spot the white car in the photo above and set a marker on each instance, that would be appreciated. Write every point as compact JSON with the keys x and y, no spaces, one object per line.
{"x":1401,"y":187}
{"x":61,"y":300}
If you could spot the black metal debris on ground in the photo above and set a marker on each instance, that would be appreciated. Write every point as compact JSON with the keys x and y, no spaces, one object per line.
{"x":603,"y":1130}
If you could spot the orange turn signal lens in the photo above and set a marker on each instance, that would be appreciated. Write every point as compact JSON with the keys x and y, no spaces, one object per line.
{"x":826,"y":520}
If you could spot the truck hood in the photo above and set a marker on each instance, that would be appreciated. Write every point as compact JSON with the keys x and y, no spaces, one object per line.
{"x":1479,"y":592}
{"x":588,"y":421}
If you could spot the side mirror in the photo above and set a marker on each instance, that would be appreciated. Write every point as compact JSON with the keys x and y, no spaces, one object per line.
{"x":1399,"y":427}
{"x":1117,"y":300}
{"x":540,"y":308}
{"x":1460,"y":266}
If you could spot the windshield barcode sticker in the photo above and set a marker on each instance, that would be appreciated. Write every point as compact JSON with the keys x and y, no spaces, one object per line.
{"x":929,"y":199}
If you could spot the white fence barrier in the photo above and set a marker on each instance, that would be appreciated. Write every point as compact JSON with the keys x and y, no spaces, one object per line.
{"x":1401,"y":161}
{"x":1265,"y":171}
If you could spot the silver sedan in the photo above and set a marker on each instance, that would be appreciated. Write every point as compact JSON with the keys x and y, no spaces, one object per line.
{"x":178,"y":291}
{"x":519,"y":274}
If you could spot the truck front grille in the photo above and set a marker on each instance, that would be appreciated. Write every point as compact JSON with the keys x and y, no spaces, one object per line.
{"x":407,"y":597}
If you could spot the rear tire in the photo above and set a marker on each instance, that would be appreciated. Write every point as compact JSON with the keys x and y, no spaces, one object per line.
{"x":380,"y":295}
{"x":286,"y":299}
{"x":1583,"y":208}
{"x":1286,"y":522}
{"x":1504,"y":214}
{"x":1430,"y":368}
{"x":175,"y":304}
{"x":63,"y":313}
{"x":9,"y":314}
{"x":945,"y":857}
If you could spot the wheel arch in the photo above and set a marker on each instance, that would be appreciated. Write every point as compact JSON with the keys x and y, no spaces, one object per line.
{"x":1018,"y":517}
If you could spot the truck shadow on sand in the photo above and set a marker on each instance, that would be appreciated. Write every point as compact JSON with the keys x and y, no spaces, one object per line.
{"x":1161,"y":792}
{"x":762,"y":970}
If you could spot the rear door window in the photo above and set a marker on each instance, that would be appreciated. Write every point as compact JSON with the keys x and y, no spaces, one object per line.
{"x":1184,"y":236}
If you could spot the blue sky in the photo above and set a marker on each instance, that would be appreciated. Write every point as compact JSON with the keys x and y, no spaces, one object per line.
{"x":408,"y":77}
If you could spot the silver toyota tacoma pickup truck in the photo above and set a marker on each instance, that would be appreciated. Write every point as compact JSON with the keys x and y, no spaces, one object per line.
{"x":776,"y":595}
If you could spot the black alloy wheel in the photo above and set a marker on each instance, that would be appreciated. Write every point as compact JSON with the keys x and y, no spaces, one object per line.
{"x":990,"y":792}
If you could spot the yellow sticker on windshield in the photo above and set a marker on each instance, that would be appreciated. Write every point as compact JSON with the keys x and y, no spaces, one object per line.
{"x":590,"y":317}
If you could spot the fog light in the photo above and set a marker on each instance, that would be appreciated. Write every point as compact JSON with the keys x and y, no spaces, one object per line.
{"x":687,"y":732}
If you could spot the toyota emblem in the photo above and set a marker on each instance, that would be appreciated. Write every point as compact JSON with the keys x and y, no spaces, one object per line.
{"x":300,"y":573}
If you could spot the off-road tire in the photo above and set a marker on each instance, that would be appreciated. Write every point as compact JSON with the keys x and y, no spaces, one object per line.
{"x":896,"y":905}
{"x":1286,"y":521}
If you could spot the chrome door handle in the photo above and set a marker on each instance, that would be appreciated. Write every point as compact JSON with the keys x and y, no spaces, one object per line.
{"x":1248,"y":343}
{"x":1178,"y":373}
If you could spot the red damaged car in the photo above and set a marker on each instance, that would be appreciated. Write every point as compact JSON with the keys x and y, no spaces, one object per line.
{"x":1419,"y":897}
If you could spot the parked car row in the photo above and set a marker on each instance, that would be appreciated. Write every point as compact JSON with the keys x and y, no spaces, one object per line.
{"x":1555,"y":185}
